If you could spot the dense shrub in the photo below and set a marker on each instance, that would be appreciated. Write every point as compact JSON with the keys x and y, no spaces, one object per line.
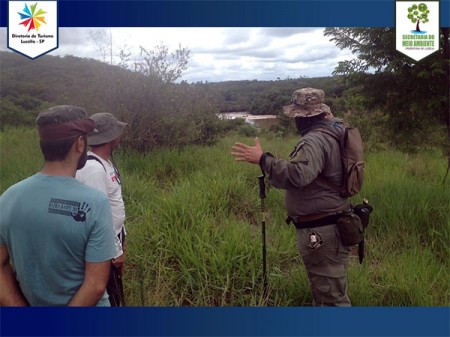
{"x":380,"y":131}
{"x":169,"y":115}
{"x":248,"y":130}
{"x":20,"y":110}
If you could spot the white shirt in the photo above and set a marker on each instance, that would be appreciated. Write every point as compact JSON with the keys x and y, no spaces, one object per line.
{"x":93,"y":174}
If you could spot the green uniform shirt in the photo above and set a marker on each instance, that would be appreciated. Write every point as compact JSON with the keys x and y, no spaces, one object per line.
{"x":316,"y":154}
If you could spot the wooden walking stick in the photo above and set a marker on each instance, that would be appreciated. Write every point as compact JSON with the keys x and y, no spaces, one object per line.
{"x":262,"y":196}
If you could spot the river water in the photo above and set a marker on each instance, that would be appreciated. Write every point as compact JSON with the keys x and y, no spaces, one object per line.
{"x":259,"y":121}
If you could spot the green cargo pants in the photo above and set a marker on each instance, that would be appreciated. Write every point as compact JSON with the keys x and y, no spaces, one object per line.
{"x":326,"y":265}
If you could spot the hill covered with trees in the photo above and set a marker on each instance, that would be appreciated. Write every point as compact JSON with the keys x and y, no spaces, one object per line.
{"x":394,"y":100}
{"x":159,"y":112}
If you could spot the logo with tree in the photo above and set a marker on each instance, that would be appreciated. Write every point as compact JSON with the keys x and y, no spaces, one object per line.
{"x":417,"y":14}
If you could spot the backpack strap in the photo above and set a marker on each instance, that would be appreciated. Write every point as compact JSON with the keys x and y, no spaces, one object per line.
{"x":91,"y":157}
{"x":329,"y":133}
{"x":335,"y":187}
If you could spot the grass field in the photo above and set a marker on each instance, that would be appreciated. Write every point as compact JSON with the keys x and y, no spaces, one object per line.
{"x":194,"y":227}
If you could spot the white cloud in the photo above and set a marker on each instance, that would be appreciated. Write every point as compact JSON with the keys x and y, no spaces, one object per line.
{"x":218,"y":54}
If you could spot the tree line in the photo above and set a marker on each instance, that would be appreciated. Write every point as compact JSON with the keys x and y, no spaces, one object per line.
{"x":393,"y":99}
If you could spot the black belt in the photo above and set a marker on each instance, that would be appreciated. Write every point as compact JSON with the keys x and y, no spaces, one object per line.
{"x":325,"y":221}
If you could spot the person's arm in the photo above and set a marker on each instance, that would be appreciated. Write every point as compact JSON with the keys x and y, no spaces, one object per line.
{"x":305,"y":165}
{"x":94,"y":285}
{"x":119,"y":262}
{"x":95,"y":176}
{"x":10,"y":293}
{"x":98,"y":254}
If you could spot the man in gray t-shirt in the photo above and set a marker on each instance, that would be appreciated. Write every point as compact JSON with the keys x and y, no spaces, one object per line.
{"x":56,"y":237}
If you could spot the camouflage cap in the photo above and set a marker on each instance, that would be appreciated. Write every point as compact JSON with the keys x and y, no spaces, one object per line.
{"x":109,"y":128}
{"x":307,"y":102}
{"x":63,"y":122}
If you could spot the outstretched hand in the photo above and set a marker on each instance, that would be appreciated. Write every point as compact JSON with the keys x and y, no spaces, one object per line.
{"x":244,"y":152}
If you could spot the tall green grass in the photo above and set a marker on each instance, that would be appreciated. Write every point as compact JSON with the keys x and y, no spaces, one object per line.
{"x":194,"y":227}
{"x":20,"y":155}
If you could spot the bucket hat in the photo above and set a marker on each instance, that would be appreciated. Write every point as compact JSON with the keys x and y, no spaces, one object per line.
{"x":108,"y":128}
{"x":63,"y":122}
{"x":307,"y":102}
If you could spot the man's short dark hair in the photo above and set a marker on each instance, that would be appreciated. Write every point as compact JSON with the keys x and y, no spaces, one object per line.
{"x":57,"y":150}
{"x":59,"y":127}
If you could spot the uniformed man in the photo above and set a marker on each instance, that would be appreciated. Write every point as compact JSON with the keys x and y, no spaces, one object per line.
{"x":312,"y":204}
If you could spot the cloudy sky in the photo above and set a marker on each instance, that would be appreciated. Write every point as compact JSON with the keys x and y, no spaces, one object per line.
{"x":218,"y":54}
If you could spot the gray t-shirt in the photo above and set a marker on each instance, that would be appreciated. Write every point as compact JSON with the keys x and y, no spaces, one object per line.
{"x":52,"y":226}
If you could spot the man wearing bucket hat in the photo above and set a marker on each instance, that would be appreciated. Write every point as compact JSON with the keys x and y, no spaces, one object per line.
{"x":56,"y":240}
{"x":101,"y":173}
{"x":312,"y":204}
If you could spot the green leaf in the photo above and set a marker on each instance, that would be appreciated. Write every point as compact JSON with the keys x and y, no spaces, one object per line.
{"x":422,"y":7}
